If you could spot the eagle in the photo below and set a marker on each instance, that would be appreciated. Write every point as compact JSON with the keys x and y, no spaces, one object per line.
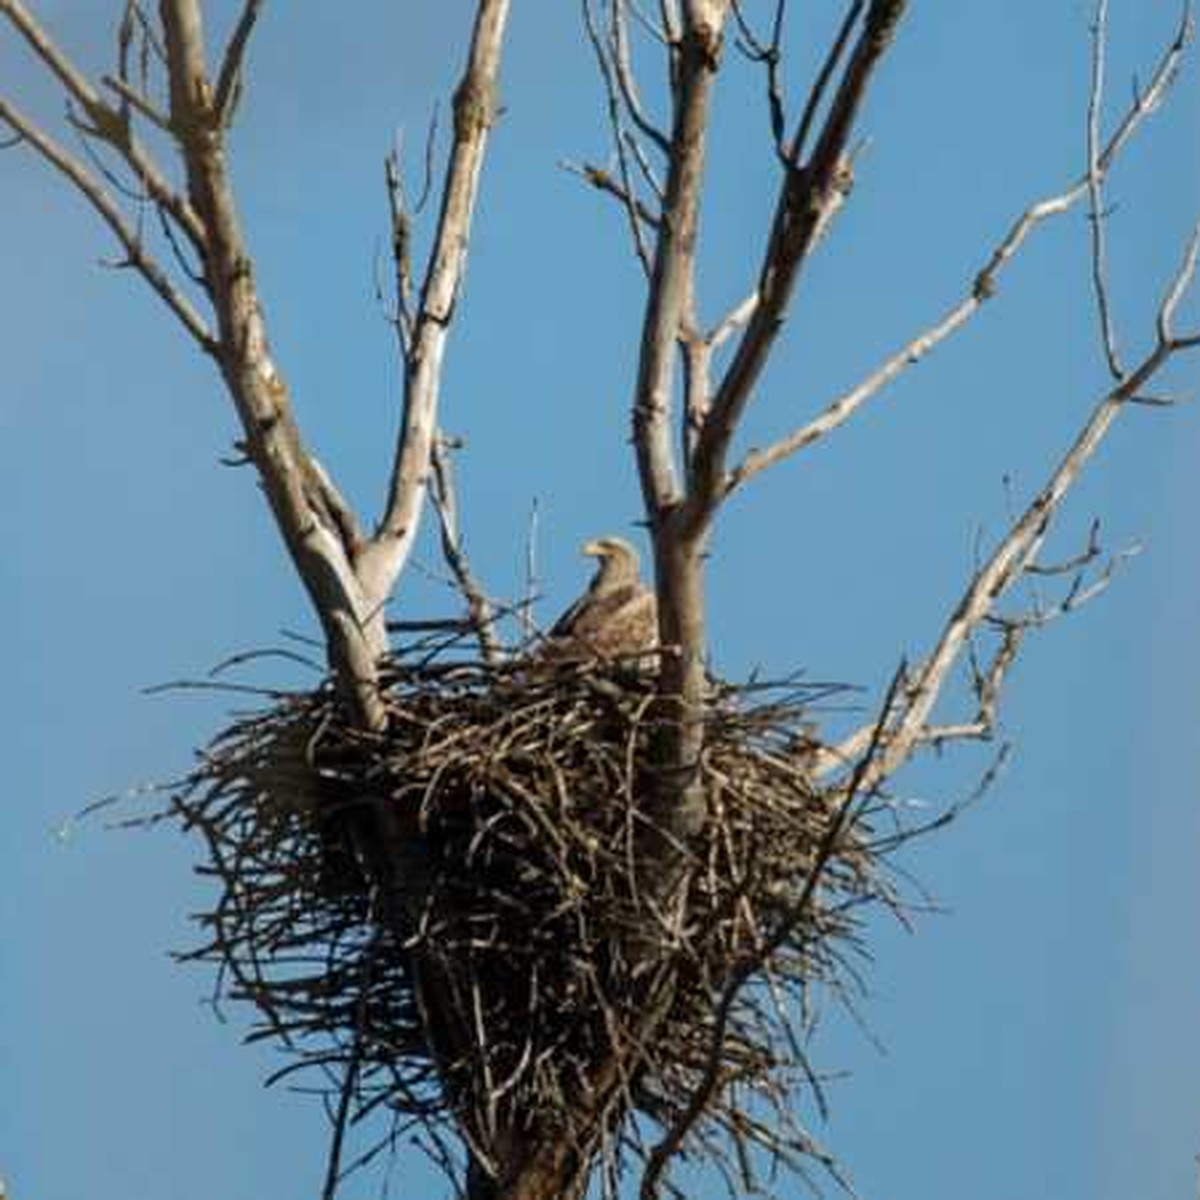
{"x":615,"y":618}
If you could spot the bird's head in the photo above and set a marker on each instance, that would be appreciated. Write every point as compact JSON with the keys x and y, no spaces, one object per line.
{"x":618,"y":559}
{"x":609,"y":547}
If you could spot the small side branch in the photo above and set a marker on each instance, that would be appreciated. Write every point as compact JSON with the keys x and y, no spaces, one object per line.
{"x":229,"y":78}
{"x":624,"y":141}
{"x":603,"y":181}
{"x":1095,"y":181}
{"x":445,"y":503}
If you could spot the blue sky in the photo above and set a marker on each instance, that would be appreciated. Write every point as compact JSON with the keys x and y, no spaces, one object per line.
{"x":1039,"y":1037}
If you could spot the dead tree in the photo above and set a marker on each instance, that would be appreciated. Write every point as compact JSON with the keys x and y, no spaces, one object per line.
{"x":696,"y":376}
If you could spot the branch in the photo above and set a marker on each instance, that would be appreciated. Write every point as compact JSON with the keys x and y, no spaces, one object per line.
{"x":108,"y":209}
{"x":674,"y":259}
{"x":445,"y":503}
{"x":769,"y":55}
{"x":474,"y":112}
{"x":229,"y":79}
{"x":1095,"y":181}
{"x":623,"y":69}
{"x":817,"y":93}
{"x":808,"y":196}
{"x":317,"y":527}
{"x":1017,"y":552}
{"x":108,"y":125}
{"x":603,"y":181}
{"x":623,"y":145}
{"x":136,"y":100}
{"x":983,"y":287}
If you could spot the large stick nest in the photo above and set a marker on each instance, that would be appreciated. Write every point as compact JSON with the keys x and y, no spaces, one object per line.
{"x":451,"y":923}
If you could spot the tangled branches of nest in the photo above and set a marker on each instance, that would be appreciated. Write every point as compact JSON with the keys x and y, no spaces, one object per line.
{"x":449,"y":923}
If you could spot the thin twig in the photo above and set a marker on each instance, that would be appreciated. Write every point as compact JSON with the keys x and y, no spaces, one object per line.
{"x":1095,"y":181}
{"x":445,"y":501}
{"x":229,"y":78}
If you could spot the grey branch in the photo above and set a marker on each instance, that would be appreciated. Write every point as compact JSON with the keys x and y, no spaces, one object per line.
{"x":475,"y":110}
{"x":910,"y":726}
{"x":808,"y":196}
{"x":445,"y":502}
{"x":108,"y":124}
{"x":110,"y":212}
{"x":983,"y":287}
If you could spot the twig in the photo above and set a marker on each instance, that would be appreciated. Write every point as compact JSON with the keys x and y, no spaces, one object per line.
{"x":603,"y":181}
{"x":229,"y":78}
{"x":1095,"y":181}
{"x":445,"y":501}
{"x":617,"y":131}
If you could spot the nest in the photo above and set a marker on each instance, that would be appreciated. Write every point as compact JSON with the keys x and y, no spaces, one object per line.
{"x":449,"y":924}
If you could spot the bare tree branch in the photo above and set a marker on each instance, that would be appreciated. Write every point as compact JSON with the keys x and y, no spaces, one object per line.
{"x":807,"y":196}
{"x":674,"y":259}
{"x":1011,"y":560}
{"x":321,"y":536}
{"x":1095,"y":181}
{"x":603,"y":181}
{"x":837,"y":48}
{"x":626,"y":81}
{"x":445,"y":503}
{"x":983,"y":287}
{"x":230,"y":74}
{"x":770,"y":56}
{"x":107,"y":123}
{"x":139,"y":102}
{"x":474,"y":112}
{"x":108,"y":209}
{"x":623,"y":145}
{"x":733,"y":320}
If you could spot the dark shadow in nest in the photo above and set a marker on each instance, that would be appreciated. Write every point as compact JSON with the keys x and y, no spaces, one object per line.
{"x":444,"y":924}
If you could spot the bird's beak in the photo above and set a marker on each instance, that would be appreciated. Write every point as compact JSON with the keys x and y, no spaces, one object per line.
{"x":592,"y":549}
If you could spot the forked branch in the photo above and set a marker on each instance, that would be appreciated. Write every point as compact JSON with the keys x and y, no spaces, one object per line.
{"x":1016,"y":555}
{"x":348,"y":575}
{"x":984,"y":285}
{"x":475,"y":109}
{"x":808,"y":195}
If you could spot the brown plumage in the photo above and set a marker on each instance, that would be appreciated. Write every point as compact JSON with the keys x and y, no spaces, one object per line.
{"x":617,"y":615}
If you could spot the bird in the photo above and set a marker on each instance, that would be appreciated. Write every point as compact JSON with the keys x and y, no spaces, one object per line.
{"x":615,"y":618}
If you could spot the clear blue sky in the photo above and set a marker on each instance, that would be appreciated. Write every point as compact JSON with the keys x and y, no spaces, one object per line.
{"x":1041,"y":1038}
